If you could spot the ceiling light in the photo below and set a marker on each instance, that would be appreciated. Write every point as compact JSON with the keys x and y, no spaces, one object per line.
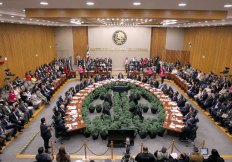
{"x":37,"y":20}
{"x":90,"y":3}
{"x":30,"y":19}
{"x":137,"y":3}
{"x":182,"y":4}
{"x":12,"y":16}
{"x":44,"y":3}
{"x":22,"y":18}
{"x":228,"y":5}
{"x":108,"y":19}
{"x":24,"y":10}
{"x":1,"y":3}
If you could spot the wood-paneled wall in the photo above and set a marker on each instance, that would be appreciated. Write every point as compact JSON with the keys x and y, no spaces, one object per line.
{"x":173,"y":55}
{"x":210,"y":48}
{"x":80,"y":41}
{"x":26,"y":47}
{"x":158,"y":41}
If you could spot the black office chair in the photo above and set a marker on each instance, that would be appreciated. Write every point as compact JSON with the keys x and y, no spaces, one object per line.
{"x":191,"y":136}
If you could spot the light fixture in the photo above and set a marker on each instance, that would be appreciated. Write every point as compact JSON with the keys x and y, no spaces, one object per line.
{"x":228,"y":5}
{"x":1,"y":3}
{"x":22,"y":18}
{"x":24,"y":10}
{"x":30,"y":19}
{"x":12,"y":16}
{"x":137,"y":3}
{"x":90,"y":3}
{"x":75,"y":21}
{"x":44,"y":3}
{"x":182,"y":4}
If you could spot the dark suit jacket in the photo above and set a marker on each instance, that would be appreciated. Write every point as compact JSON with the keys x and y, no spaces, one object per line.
{"x":13,"y":118}
{"x":45,"y":132}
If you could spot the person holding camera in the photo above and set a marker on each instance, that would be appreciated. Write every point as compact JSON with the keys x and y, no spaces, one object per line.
{"x":45,"y":132}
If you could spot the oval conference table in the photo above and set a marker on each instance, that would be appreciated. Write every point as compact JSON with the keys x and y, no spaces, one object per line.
{"x":73,"y":120}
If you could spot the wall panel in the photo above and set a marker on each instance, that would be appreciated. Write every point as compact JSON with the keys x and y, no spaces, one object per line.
{"x":158,"y":42}
{"x":210,"y":48}
{"x":26,"y":47}
{"x":80,"y":41}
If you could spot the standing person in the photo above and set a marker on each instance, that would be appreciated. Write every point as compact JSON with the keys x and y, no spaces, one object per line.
{"x":80,"y":70}
{"x":45,"y":132}
{"x":162,"y":73}
{"x":42,"y":156}
{"x":145,"y":156}
{"x":62,"y":156}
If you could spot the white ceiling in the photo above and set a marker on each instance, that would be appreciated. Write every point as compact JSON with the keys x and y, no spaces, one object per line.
{"x":16,"y":7}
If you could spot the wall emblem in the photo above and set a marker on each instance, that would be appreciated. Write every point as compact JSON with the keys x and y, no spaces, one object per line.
{"x":119,"y":37}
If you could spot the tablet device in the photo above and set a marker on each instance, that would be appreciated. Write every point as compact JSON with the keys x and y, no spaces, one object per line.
{"x":204,"y":151}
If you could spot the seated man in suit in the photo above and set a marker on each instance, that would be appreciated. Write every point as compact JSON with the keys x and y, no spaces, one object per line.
{"x":8,"y":125}
{"x":16,"y":119}
{"x":43,"y":157}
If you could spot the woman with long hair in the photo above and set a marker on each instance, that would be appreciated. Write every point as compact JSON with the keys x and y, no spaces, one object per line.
{"x":62,"y":155}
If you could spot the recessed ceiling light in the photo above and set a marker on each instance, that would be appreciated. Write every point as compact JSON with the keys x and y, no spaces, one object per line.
{"x":24,"y":10}
{"x":182,"y":4}
{"x":44,"y":3}
{"x":12,"y":16}
{"x":22,"y":18}
{"x":228,"y":5}
{"x":90,"y":3}
{"x":30,"y":19}
{"x":137,"y":3}
{"x":1,"y":3}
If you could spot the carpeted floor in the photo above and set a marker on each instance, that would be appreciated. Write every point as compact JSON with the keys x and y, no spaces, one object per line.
{"x":207,"y":131}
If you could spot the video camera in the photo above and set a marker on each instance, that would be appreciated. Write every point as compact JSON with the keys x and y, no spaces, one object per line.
{"x":226,"y":70}
{"x":8,"y":74}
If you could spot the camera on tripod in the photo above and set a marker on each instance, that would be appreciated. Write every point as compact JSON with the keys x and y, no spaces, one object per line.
{"x":8,"y":74}
{"x":225,"y":72}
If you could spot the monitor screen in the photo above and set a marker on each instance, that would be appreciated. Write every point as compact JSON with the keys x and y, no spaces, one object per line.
{"x":204,"y":151}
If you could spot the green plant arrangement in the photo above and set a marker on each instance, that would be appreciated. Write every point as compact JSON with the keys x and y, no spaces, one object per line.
{"x":124,"y":106}
{"x":98,"y":108}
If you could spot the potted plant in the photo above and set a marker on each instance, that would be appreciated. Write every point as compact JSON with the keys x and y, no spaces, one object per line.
{"x":142,"y":131}
{"x":95,"y":132}
{"x":98,"y":108}
{"x":154,"y":108}
{"x":87,"y":130}
{"x":160,"y":131}
{"x":152,"y":130}
{"x":102,"y":95}
{"x":104,"y":132}
{"x":145,"y":108}
{"x":132,"y":106}
{"x":91,"y":108}
{"x":106,"y":105}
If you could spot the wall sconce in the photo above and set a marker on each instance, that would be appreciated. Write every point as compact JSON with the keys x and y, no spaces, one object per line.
{"x":190,"y":44}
